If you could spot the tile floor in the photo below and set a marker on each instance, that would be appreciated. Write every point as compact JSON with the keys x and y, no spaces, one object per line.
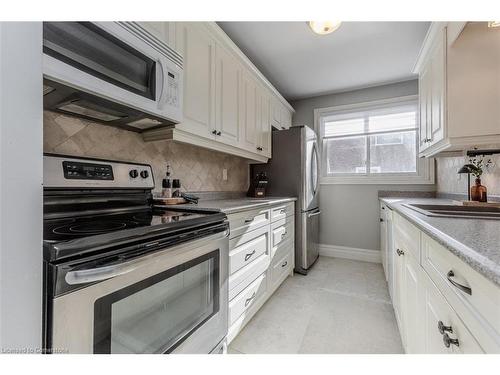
{"x":341,"y":306}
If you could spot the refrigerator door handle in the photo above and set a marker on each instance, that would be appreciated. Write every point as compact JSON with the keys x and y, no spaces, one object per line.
{"x":314,"y":214}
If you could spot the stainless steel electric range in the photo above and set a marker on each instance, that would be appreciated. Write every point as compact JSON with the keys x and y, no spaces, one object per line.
{"x":123,"y":277}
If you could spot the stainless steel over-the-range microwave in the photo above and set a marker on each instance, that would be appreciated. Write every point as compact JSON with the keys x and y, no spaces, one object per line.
{"x":116,"y":73}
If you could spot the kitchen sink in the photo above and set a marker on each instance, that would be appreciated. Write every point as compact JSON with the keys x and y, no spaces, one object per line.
{"x":449,"y":210}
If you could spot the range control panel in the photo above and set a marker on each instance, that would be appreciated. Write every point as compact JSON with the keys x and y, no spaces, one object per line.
{"x":87,"y":171}
{"x":60,"y":171}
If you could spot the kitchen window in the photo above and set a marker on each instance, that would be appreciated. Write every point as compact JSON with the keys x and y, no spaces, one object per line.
{"x":375,"y":142}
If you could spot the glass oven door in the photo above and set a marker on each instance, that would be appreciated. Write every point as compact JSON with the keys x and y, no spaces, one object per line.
{"x":157,"y":314}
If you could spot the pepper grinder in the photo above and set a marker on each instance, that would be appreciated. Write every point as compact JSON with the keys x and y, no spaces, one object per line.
{"x":166,"y":185}
{"x":176,"y":186}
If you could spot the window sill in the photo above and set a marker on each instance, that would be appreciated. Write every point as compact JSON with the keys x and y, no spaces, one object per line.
{"x":377,"y":180}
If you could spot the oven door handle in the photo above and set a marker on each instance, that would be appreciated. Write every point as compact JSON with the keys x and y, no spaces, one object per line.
{"x":103,"y":273}
{"x":97,"y":274}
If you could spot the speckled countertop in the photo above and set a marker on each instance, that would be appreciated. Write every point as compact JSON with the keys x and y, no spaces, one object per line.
{"x":475,"y":241}
{"x":229,"y":206}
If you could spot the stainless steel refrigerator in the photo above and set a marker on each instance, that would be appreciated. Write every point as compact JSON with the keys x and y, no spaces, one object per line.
{"x":294,"y":171}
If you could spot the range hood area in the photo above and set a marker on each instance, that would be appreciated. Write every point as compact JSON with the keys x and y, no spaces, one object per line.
{"x":72,"y":102}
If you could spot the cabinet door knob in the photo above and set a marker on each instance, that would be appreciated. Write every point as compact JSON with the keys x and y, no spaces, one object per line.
{"x":449,"y":341}
{"x":214,"y":132}
{"x":284,"y":264}
{"x":442,"y":328}
{"x":400,"y":252}
{"x":219,"y":133}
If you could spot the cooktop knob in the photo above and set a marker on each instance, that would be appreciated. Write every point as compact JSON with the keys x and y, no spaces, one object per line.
{"x":133,"y":173}
{"x":144,"y":174}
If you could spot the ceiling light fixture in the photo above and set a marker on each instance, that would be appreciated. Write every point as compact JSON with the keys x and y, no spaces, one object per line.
{"x":494,"y":24}
{"x":324,"y":27}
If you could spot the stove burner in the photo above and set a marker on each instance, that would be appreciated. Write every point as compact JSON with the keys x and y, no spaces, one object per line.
{"x":96,"y":227}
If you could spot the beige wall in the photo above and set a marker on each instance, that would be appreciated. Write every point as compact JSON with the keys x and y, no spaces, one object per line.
{"x":197,"y":168}
{"x":449,"y":181}
{"x":350,"y":213}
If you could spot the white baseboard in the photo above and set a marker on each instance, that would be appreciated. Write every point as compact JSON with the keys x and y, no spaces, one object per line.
{"x":365,"y":255}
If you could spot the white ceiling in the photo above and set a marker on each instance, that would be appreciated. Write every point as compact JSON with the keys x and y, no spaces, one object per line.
{"x":302,"y":64}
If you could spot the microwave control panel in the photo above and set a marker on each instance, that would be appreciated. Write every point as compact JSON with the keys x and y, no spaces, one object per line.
{"x":173,"y":88}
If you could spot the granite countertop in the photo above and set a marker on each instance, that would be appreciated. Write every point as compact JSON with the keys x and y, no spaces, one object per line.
{"x":475,"y":241}
{"x":229,"y":206}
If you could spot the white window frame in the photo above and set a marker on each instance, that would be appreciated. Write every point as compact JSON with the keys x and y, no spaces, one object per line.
{"x":425,"y":166}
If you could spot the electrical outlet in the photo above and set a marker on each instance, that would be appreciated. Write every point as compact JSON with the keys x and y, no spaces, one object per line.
{"x":224,"y":174}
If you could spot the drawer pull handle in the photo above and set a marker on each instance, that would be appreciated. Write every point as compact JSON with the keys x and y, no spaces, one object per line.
{"x":463,"y":288}
{"x":442,"y":328}
{"x":282,"y":211}
{"x":284,"y":264}
{"x":249,"y":220}
{"x":249,"y":255}
{"x":248,"y":300}
{"x":400,"y":252}
{"x":283,"y":234}
{"x":449,"y":341}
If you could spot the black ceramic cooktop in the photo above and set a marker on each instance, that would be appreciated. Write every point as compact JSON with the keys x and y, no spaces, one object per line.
{"x":66,"y":229}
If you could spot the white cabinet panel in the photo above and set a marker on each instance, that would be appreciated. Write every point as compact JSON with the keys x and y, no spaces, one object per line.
{"x":438,"y":68}
{"x":249,"y":113}
{"x":286,"y":118}
{"x":411,"y":305}
{"x":397,"y":298}
{"x":198,"y":49}
{"x":228,"y":81}
{"x":264,"y":131}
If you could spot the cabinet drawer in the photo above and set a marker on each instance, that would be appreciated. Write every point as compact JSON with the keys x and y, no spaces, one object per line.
{"x":246,"y":221}
{"x":242,"y":302}
{"x":281,"y":267}
{"x":283,"y":211}
{"x":285,"y":247}
{"x":243,"y":255}
{"x":479,"y":309}
{"x":436,"y":311}
{"x":244,"y":276}
{"x":282,"y":230}
{"x":408,"y":237}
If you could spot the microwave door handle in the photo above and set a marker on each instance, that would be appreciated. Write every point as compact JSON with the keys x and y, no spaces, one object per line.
{"x":161,"y":81}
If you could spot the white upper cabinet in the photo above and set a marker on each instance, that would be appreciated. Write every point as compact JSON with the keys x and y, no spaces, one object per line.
{"x":228,"y":84}
{"x":229,"y":106}
{"x":198,"y":49}
{"x":432,"y":88}
{"x":459,"y":80}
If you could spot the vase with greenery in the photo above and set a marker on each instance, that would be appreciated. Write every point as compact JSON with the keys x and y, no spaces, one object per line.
{"x":478,"y":192}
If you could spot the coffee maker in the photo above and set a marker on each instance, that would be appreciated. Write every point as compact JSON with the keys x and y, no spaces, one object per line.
{"x":258,"y":186}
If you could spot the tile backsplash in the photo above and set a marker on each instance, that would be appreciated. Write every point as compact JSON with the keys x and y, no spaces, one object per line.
{"x":449,"y":181}
{"x":197,"y":168}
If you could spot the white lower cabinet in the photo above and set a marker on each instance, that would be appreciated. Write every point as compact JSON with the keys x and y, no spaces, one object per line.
{"x":259,"y":260}
{"x":433,"y":314}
